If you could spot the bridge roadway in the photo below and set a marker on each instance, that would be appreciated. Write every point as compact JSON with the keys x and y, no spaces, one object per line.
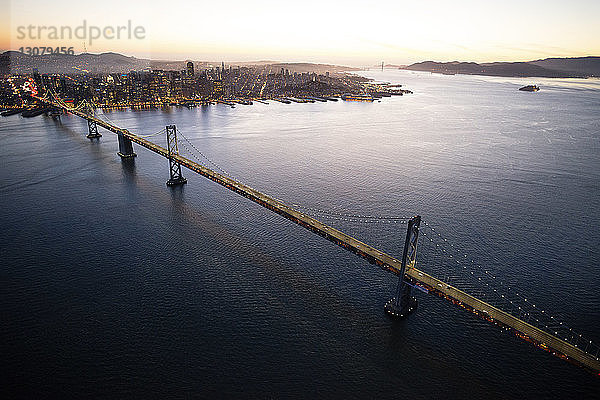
{"x":524,"y":330}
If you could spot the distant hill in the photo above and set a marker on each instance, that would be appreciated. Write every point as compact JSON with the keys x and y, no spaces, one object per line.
{"x":588,"y":66}
{"x":310,"y":67}
{"x":19,"y":63}
{"x":579,"y":67}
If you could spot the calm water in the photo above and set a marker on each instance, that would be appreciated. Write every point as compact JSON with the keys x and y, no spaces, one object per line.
{"x":114,"y":286}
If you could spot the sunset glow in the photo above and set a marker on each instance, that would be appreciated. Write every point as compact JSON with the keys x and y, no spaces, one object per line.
{"x":348,"y":32}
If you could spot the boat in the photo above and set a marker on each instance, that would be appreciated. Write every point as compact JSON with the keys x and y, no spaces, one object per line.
{"x":243,"y":102}
{"x":530,"y":88}
{"x":357,"y":97}
{"x":299,"y":100}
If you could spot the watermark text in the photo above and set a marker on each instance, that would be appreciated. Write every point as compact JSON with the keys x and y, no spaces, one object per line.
{"x":84,"y":31}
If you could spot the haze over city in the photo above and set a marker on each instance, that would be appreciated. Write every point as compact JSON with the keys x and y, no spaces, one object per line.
{"x":349,"y":32}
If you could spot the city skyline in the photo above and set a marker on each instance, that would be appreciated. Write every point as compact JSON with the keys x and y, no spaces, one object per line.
{"x":348,"y":33}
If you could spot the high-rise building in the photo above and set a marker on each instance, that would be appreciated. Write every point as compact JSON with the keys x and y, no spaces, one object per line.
{"x":218,"y":90}
{"x":188,"y":79}
{"x":38,"y":79}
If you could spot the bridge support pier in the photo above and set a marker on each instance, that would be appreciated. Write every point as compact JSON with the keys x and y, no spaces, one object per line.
{"x":125,"y":147}
{"x":93,"y":130}
{"x":403,"y":304}
{"x":174,"y":166}
{"x":55,"y":113}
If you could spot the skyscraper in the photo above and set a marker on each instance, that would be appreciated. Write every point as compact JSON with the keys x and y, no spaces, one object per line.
{"x":190,"y":68}
{"x":218,"y":90}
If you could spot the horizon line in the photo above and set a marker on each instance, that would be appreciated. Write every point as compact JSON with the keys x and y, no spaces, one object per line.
{"x":267,"y":61}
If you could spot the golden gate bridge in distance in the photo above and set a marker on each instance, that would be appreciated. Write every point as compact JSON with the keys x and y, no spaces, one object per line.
{"x":511,"y":312}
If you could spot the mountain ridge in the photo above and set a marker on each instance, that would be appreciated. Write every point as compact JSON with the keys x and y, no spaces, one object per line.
{"x":15,"y":62}
{"x":110,"y":62}
{"x":555,"y":67}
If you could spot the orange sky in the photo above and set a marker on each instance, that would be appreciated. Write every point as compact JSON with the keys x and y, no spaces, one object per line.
{"x":343,"y":32}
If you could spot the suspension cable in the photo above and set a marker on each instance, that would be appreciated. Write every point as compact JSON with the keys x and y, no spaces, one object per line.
{"x":203,"y":155}
{"x":349,"y":219}
{"x":163,"y":130}
{"x":348,"y":214}
{"x":524,"y":307}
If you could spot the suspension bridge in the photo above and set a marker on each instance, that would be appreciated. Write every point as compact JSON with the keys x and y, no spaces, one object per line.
{"x":515,"y":314}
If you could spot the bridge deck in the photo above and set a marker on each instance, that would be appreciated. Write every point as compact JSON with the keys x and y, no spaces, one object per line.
{"x":526,"y":331}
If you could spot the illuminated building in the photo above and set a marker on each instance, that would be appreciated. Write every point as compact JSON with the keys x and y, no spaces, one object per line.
{"x":218,"y":91}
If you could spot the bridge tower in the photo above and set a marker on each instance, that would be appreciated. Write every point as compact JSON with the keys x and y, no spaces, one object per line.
{"x":174,"y":166}
{"x":125,"y":147}
{"x":93,"y":130}
{"x":403,"y":304}
{"x":92,"y":127}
